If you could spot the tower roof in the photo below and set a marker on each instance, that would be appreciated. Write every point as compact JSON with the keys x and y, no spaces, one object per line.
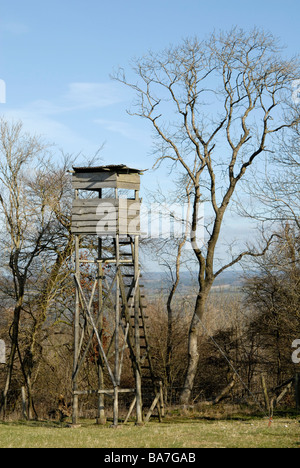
{"x":113,"y":168}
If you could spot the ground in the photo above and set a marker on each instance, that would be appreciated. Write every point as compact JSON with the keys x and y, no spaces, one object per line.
{"x":172,"y":434}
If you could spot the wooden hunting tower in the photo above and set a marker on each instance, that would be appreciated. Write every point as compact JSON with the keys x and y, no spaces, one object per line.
{"x":106,"y":215}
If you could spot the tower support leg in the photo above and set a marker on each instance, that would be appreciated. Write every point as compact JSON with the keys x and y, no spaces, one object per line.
{"x":76,"y":338}
{"x":138,"y":377}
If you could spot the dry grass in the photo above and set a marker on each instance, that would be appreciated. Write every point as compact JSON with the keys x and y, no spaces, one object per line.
{"x":181,"y":433}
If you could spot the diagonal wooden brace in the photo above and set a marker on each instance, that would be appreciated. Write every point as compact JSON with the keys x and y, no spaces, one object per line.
{"x":96,"y":332}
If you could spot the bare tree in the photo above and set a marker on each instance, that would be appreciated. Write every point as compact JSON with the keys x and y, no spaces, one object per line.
{"x":17,"y":151}
{"x":169,"y":252}
{"x":277,"y":185}
{"x":49,"y":189}
{"x":273,"y":292}
{"x":36,"y":241}
{"x":214,"y":106}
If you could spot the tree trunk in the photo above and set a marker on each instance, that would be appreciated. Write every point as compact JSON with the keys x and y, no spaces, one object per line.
{"x":169,"y":352}
{"x":193,"y":350}
{"x":10,"y":364}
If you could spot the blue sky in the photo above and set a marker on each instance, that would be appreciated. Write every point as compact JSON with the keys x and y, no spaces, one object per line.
{"x":56,"y":58}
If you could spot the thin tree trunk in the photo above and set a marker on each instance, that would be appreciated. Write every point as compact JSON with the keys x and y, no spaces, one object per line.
{"x":169,"y":352}
{"x":193,"y":350}
{"x":193,"y":360}
{"x":11,"y":360}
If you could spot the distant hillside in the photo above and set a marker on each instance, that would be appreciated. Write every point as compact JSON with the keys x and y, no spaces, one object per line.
{"x":160,"y":281}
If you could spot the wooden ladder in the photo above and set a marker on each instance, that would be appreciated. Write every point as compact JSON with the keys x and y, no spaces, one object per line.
{"x":130,"y":292}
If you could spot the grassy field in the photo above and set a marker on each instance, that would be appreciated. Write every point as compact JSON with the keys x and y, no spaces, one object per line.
{"x":188,"y":433}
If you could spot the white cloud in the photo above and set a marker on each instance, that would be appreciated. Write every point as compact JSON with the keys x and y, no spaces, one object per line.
{"x":79,"y":96}
{"x":125,"y":130}
{"x":50,"y":128}
{"x":44,"y":117}
{"x":116,"y":126}
{"x":91,"y":95}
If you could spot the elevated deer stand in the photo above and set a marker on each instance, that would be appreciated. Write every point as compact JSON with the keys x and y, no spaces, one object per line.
{"x":118,"y":221}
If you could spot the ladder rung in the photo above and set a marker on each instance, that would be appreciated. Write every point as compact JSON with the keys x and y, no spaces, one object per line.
{"x":140,"y":316}
{"x":131,"y":275}
{"x":142,"y":296}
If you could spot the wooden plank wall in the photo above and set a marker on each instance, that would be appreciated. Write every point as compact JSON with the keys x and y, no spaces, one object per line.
{"x":99,"y":180}
{"x":106,"y":216}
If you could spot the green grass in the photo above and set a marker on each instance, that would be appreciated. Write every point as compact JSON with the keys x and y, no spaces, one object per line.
{"x":183,"y":433}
